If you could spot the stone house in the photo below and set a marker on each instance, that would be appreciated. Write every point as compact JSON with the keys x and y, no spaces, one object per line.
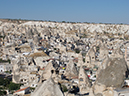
{"x":25,"y":48}
{"x":39,"y":57}
{"x":9,"y":67}
{"x":6,"y":67}
{"x":91,"y":53}
{"x":2,"y":69}
{"x":90,"y":58}
{"x":87,"y":61}
{"x":21,"y":92}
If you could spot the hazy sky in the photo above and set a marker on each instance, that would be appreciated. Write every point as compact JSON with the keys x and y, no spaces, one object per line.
{"x":98,"y":11}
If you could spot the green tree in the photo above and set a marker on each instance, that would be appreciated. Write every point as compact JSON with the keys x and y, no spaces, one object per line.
{"x":1,"y":81}
{"x":77,"y":50}
{"x":6,"y":82}
{"x":13,"y":86}
{"x":83,"y":59}
{"x":64,"y":88}
{"x":2,"y":61}
{"x":2,"y":92}
{"x":63,"y":22}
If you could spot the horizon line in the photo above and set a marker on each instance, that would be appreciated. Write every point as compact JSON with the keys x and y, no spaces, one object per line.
{"x":63,"y":21}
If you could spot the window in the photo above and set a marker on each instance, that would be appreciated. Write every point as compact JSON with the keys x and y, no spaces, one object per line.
{"x":81,"y":79}
{"x":57,"y":71}
{"x":92,"y":57}
{"x":87,"y":61}
{"x":52,"y":71}
{"x":21,"y":80}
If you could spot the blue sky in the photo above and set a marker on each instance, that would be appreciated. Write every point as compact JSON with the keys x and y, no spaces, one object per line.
{"x":98,"y":11}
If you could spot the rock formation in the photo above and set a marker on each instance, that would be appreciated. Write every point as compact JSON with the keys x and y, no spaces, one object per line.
{"x":47,"y":72}
{"x":84,"y":83}
{"x":71,"y":70}
{"x":48,"y":88}
{"x":110,"y":75}
{"x":103,"y":51}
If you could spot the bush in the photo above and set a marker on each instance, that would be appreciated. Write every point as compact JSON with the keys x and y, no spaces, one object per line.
{"x":64,"y":88}
{"x":13,"y":86}
{"x":83,"y":54}
{"x":3,"y":61}
{"x":63,"y":22}
{"x":4,"y":82}
{"x":8,"y":72}
{"x":77,"y":50}
{"x":32,"y":89}
{"x":97,"y":48}
{"x":83,"y":59}
{"x":2,"y":92}
{"x":1,"y":81}
{"x":121,"y":39}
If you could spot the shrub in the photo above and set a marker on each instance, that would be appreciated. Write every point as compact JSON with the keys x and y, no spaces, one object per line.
{"x":3,"y":61}
{"x":121,"y":39}
{"x":5,"y":82}
{"x":83,"y":59}
{"x":2,"y":93}
{"x":8,"y":72}
{"x":13,"y":86}
{"x":97,"y":48}
{"x":63,"y":22}
{"x":77,"y":50}
{"x":32,"y":89}
{"x":64,"y":88}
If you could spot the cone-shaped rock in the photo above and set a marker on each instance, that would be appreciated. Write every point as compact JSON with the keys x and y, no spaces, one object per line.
{"x":71,"y":70}
{"x":48,"y":88}
{"x":84,"y":83}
